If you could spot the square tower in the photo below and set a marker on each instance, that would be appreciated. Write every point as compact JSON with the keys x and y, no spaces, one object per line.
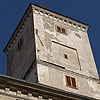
{"x":52,"y":49}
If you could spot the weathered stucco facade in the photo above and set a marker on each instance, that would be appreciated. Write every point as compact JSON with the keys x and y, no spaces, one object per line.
{"x":36,"y":51}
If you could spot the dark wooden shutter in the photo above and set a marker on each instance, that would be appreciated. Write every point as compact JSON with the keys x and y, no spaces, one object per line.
{"x":63,"y":30}
{"x":73,"y":82}
{"x":68,"y":81}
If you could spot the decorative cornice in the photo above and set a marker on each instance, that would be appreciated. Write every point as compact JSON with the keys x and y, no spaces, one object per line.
{"x":15,"y":95}
{"x":60,"y":18}
{"x":47,"y":13}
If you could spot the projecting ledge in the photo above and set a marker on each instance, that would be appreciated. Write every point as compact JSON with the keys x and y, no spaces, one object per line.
{"x":20,"y":86}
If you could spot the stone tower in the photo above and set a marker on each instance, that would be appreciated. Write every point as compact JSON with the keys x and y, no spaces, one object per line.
{"x":52,"y":49}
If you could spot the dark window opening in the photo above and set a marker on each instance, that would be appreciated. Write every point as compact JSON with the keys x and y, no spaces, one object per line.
{"x":73,"y":82}
{"x":63,"y":30}
{"x":59,"y":29}
{"x":65,"y":56}
{"x":70,"y":81}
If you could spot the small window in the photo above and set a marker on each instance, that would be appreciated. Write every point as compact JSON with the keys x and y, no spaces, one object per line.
{"x":65,"y":56}
{"x":59,"y":29}
{"x":70,"y":81}
{"x":63,"y":30}
{"x":73,"y":82}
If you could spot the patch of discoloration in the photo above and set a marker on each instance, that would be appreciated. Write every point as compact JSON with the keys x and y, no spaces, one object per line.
{"x":84,"y":88}
{"x":40,"y":40}
{"x":49,"y":57}
{"x":48,"y":41}
{"x":48,"y":24}
{"x":77,"y":35}
{"x":93,"y":84}
{"x":53,"y":35}
{"x":73,"y":28}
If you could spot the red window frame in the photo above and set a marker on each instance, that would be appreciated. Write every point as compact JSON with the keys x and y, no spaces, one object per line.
{"x":71,"y":82}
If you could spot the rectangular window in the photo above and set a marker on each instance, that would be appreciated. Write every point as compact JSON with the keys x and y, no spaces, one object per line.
{"x":65,"y":56}
{"x":70,"y":81}
{"x":73,"y":82}
{"x":59,"y":29}
{"x":63,"y":30}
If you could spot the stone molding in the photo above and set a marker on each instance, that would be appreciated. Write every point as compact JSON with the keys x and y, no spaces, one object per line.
{"x":46,"y":13}
{"x":61,"y":19}
{"x":20,"y":89}
{"x":15,"y":95}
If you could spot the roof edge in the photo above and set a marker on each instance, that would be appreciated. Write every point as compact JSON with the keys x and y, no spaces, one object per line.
{"x":25,"y":14}
{"x":18,"y":26}
{"x":40,"y":88}
{"x":60,"y":14}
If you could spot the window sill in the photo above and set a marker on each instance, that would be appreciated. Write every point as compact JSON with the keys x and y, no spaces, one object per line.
{"x":72,"y":87}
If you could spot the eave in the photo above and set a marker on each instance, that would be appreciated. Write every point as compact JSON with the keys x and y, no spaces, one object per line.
{"x":24,"y":18}
{"x":39,"y":89}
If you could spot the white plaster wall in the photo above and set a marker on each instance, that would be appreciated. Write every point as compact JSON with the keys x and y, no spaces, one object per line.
{"x":56,"y":78}
{"x":74,"y":38}
{"x":48,"y":51}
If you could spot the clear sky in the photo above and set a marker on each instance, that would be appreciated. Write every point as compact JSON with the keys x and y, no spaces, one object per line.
{"x":87,"y":11}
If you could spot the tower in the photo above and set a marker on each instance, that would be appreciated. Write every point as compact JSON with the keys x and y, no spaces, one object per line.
{"x":52,"y":49}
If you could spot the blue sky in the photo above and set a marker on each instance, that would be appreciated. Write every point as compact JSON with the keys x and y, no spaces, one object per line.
{"x":87,"y":11}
